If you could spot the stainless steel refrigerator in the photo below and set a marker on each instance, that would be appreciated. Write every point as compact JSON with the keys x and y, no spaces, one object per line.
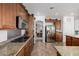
{"x":49,"y":31}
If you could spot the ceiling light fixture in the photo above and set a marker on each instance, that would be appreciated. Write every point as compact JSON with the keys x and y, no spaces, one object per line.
{"x":51,"y":7}
{"x":52,"y":14}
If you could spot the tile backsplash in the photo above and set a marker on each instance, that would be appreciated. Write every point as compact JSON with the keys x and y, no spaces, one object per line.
{"x":13,"y":33}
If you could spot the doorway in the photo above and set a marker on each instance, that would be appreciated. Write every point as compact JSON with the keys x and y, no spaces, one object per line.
{"x":39,"y":29}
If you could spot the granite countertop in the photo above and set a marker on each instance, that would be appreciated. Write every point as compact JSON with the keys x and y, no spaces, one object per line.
{"x":77,"y":36}
{"x":68,"y":50}
{"x":10,"y":48}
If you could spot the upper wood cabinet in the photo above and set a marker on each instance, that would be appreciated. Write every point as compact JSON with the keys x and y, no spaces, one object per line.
{"x":8,"y":13}
{"x":8,"y":16}
{"x":58,"y":24}
{"x":30,"y":25}
{"x":0,"y":15}
{"x":22,"y":12}
{"x":58,"y":34}
{"x":68,"y":40}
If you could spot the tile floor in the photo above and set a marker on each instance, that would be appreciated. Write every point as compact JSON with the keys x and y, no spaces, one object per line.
{"x":45,"y":49}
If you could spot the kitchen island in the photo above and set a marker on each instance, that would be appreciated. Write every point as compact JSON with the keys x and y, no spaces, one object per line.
{"x":72,"y":40}
{"x":76,"y":36}
{"x":68,"y":50}
{"x":14,"y":48}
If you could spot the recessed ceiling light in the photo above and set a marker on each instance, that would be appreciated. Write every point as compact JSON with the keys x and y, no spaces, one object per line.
{"x":51,"y":7}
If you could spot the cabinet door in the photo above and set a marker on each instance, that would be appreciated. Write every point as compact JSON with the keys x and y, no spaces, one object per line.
{"x":8,"y":16}
{"x":12,"y":16}
{"x":58,"y":36}
{"x":21,"y":12}
{"x":28,"y":48}
{"x":58,"y":24}
{"x":30,"y":25}
{"x":0,"y":15}
{"x":5,"y":15}
{"x":21,"y":52}
{"x":68,"y":41}
{"x":75,"y":41}
{"x":26,"y":51}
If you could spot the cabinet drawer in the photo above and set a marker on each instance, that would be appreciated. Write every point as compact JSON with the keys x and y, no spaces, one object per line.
{"x":26,"y":51}
{"x":58,"y":36}
{"x":68,"y":41}
{"x":75,"y":41}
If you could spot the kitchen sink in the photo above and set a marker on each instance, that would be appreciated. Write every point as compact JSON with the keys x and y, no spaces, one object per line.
{"x":21,"y":39}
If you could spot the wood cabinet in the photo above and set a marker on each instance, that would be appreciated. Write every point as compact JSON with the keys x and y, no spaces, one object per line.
{"x":21,"y":11}
{"x":8,"y":13}
{"x":0,"y":15}
{"x":27,"y":48}
{"x":58,"y":36}
{"x":21,"y":52}
{"x":58,"y":24}
{"x":26,"y":51}
{"x":72,"y":41}
{"x":8,"y":16}
{"x":75,"y":41}
{"x":58,"y":33}
{"x":68,"y":40}
{"x":30,"y":25}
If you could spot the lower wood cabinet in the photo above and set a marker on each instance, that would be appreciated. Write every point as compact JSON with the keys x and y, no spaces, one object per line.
{"x":68,"y":40}
{"x":26,"y":49}
{"x":21,"y":52}
{"x":75,"y":41}
{"x":72,"y":41}
{"x":58,"y":37}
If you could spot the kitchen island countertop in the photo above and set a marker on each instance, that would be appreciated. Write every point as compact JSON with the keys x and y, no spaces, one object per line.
{"x":68,"y":50}
{"x":76,"y":36}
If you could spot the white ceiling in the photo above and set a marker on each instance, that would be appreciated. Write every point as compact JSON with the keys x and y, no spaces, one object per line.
{"x":60,"y":9}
